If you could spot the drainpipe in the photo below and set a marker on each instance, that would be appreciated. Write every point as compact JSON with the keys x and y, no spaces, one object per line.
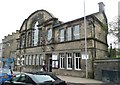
{"x":94,"y":46}
{"x":110,"y":50}
{"x":94,"y":39}
{"x":94,"y":36}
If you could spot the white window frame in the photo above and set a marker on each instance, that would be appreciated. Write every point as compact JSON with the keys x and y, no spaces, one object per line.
{"x":49,"y":34}
{"x":30,"y":59}
{"x":62,"y":35}
{"x":36,"y":34}
{"x":33,"y":59}
{"x":76,"y":32}
{"x":78,"y":59}
{"x":41,"y":59}
{"x":26,"y":60}
{"x":18,"y":61}
{"x":69,"y":56}
{"x":62,"y":58}
{"x":69,"y":34}
{"x":37,"y":59}
{"x":22,"y":60}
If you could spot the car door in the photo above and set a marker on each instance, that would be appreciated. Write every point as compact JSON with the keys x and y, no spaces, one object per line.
{"x":13,"y":81}
{"x":20,"y":79}
{"x":29,"y":81}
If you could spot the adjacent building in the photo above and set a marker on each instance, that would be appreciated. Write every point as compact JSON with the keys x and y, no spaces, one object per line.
{"x":0,"y":50}
{"x":44,"y":40}
{"x":0,"y":54}
{"x":9,"y":46}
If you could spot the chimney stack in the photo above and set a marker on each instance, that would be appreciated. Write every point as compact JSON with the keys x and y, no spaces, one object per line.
{"x":101,"y":7}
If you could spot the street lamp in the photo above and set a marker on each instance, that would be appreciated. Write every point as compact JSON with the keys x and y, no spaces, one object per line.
{"x":85,"y":42}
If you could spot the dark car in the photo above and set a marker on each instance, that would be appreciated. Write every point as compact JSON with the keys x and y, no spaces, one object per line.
{"x":35,"y":78}
{"x":5,"y":74}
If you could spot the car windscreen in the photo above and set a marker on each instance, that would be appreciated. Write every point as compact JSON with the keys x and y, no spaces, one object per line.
{"x":43,"y":78}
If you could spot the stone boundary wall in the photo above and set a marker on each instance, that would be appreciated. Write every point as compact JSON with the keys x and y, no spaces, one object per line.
{"x":107,"y":70}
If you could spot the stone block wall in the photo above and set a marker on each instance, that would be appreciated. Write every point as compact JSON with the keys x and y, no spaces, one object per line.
{"x":107,"y":70}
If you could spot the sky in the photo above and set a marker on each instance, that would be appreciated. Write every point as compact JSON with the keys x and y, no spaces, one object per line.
{"x":14,"y":12}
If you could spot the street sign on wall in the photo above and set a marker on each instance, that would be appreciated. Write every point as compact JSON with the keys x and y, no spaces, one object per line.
{"x":84,"y":56}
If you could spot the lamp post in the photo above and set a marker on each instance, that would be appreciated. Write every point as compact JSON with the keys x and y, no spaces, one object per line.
{"x":85,"y":43}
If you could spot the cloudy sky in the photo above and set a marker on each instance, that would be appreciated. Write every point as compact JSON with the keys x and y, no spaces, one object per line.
{"x":14,"y":12}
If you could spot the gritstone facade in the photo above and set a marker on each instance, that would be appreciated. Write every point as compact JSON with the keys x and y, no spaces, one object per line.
{"x":44,"y":40}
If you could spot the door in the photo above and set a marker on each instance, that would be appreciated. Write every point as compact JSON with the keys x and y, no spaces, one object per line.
{"x":49,"y":62}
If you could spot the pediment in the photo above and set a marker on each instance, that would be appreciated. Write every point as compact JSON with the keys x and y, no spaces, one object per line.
{"x":102,"y":17}
{"x":40,"y":16}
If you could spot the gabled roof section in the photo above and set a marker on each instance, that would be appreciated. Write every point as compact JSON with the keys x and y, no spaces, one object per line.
{"x":101,"y":16}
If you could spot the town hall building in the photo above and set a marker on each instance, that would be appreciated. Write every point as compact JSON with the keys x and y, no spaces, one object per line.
{"x":60,"y":46}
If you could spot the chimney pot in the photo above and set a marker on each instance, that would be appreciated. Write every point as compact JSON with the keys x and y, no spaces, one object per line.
{"x":101,"y":7}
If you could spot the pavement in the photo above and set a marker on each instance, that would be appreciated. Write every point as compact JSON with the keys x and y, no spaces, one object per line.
{"x":78,"y":79}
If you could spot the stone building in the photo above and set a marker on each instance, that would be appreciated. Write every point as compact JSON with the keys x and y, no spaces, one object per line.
{"x":44,"y":40}
{"x":9,"y":46}
{"x":0,"y":54}
{"x":0,"y":50}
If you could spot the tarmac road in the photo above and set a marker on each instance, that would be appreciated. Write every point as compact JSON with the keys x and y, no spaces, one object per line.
{"x":75,"y":83}
{"x":70,"y":83}
{"x":93,"y":83}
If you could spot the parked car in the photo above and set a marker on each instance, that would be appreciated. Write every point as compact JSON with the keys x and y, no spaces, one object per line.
{"x":5,"y":74}
{"x":35,"y":78}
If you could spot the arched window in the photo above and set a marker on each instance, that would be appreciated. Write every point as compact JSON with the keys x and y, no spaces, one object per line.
{"x":29,"y":39}
{"x":36,"y":34}
{"x":41,"y":40}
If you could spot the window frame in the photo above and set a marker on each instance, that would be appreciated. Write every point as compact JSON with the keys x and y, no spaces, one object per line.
{"x":37,"y":59}
{"x":75,"y":29}
{"x":22,"y":41}
{"x":62,"y":60}
{"x":29,"y":39}
{"x":62,"y":37}
{"x":34,"y":59}
{"x":30,"y":60}
{"x":40,"y":36}
{"x":79,"y":61}
{"x":71,"y":61}
{"x":69,"y":33}
{"x":26,"y":60}
{"x":35,"y":34}
{"x":49,"y":36}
